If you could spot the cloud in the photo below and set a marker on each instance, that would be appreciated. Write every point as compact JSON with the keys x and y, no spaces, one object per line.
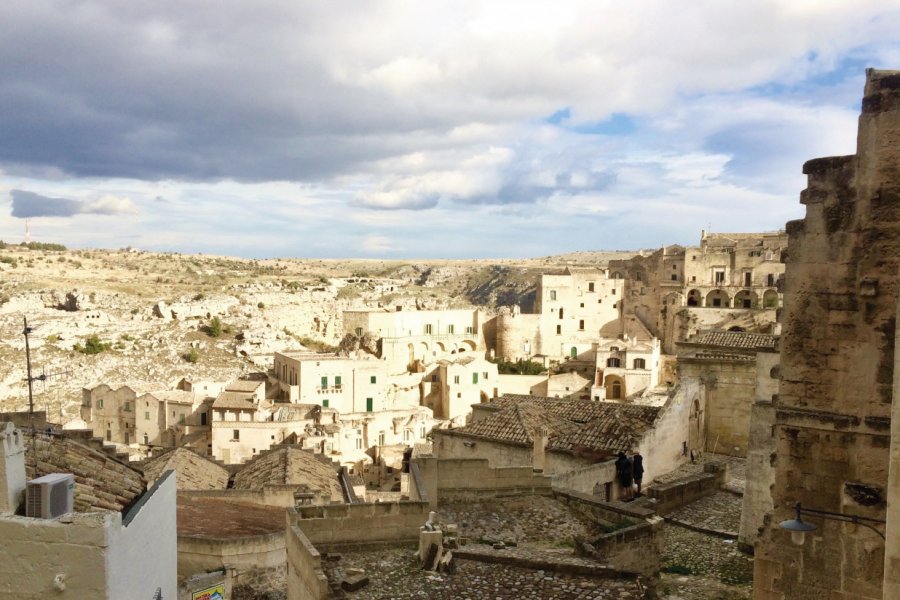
{"x":29,"y":205}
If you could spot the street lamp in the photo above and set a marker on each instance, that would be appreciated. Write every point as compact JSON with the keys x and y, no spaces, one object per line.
{"x":798,"y":527}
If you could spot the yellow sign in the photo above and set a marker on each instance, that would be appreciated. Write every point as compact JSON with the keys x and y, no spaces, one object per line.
{"x":216,"y":592}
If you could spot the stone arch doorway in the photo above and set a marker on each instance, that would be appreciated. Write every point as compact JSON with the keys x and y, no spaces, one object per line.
{"x":615,"y":387}
{"x":745,"y":299}
{"x":718,"y":299}
{"x":694,"y":298}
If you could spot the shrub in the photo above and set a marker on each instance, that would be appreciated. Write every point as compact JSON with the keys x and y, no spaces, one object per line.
{"x":93,"y":345}
{"x":191,"y":356}
{"x":348,"y":292}
{"x":261,"y":305}
{"x":215,"y":328}
{"x":519,"y":367}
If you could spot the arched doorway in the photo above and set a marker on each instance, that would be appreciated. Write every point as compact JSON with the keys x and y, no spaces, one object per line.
{"x":718,"y":299}
{"x":745,"y":299}
{"x":615,"y":388}
{"x":573,"y":353}
{"x":693,"y":298}
{"x":770,"y":299}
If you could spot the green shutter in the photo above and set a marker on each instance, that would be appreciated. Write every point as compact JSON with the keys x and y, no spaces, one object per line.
{"x":325,"y":382}
{"x":373,"y":379}
{"x":324,"y":402}
{"x":368,"y":405}
{"x":474,"y":377}
{"x":337,"y":380}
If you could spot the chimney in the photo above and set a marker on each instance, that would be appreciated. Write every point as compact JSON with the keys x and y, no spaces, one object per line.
{"x":541,"y":436}
{"x":12,"y":468}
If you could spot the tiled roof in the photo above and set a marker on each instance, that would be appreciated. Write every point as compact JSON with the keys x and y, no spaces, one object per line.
{"x":295,"y":412}
{"x":574,"y":425}
{"x":192,"y":471}
{"x":734,"y":339}
{"x":617,"y":428}
{"x":290,"y":465}
{"x":101,"y":482}
{"x":234,"y":400}
{"x":517,"y":424}
{"x":244,"y":385}
{"x":217,"y":519}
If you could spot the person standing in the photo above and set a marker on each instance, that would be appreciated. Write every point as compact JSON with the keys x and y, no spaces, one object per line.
{"x":623,"y":474}
{"x":637,"y":470}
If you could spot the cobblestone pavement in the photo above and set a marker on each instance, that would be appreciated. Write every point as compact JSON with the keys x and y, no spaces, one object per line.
{"x":395,"y":574}
{"x":737,"y":470}
{"x":720,"y":512}
{"x":527,"y":520}
{"x":702,"y":567}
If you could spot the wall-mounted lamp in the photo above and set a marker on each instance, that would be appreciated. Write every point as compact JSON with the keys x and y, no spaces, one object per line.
{"x":798,"y":527}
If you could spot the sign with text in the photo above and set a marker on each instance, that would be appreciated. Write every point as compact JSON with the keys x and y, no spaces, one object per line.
{"x":216,"y":592}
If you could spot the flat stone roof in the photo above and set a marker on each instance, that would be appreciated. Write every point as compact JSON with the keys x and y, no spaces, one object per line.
{"x":217,"y":518}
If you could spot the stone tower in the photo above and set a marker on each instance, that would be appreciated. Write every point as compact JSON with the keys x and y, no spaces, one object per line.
{"x":832,"y":432}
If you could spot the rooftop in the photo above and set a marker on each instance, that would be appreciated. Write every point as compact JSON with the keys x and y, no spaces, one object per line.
{"x":217,"y":519}
{"x":192,"y":471}
{"x":733,"y":340}
{"x":290,"y":465}
{"x":234,"y":400}
{"x":244,"y":385}
{"x":101,"y":482}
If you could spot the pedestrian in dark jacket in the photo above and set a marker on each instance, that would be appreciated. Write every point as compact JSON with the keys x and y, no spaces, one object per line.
{"x":637,"y":470}
{"x":623,"y":474}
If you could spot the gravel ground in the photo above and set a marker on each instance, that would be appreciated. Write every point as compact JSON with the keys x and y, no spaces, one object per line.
{"x":394,"y":574}
{"x":720,"y":511}
{"x":703,"y":567}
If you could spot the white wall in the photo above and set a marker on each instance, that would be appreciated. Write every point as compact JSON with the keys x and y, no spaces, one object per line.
{"x":143,"y":555}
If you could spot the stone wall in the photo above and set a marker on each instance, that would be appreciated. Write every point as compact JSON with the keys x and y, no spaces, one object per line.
{"x":270,"y":495}
{"x":352,"y":524}
{"x":306,"y":579}
{"x":591,"y":479}
{"x":245,"y":554}
{"x":672,"y":496}
{"x":832,"y":414}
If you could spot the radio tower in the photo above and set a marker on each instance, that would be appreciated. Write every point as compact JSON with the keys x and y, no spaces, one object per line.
{"x":27,"y":233}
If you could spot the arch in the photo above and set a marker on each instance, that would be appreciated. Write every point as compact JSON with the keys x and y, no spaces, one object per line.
{"x":746,"y":299}
{"x":770,"y":299}
{"x":615,"y":388}
{"x":694,"y":298}
{"x":467,"y":345}
{"x":439,"y":346}
{"x":718,"y":299}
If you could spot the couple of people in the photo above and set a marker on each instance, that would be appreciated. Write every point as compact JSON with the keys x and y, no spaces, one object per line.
{"x":630,"y":472}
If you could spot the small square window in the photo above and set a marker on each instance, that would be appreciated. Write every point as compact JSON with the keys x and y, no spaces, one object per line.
{"x":373,"y":379}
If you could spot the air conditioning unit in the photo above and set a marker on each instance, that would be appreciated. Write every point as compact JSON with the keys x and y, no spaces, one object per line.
{"x":50,"y":496}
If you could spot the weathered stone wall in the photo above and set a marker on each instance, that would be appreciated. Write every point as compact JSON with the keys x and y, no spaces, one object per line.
{"x":245,"y":555}
{"x":306,"y":579}
{"x":343,"y":524}
{"x":832,"y":415}
{"x":590,"y":479}
{"x":449,"y":445}
{"x":892,"y":529}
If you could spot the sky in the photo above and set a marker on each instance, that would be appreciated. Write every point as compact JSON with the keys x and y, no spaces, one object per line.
{"x":410,"y":129}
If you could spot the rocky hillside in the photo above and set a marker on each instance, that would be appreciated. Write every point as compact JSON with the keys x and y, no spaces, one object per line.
{"x":138,"y":317}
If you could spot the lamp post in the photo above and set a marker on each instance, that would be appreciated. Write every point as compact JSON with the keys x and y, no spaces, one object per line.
{"x":798,"y":527}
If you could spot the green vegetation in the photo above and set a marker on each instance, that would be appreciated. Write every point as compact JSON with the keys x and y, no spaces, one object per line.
{"x":191,"y":356}
{"x":52,"y":338}
{"x":519,"y":367}
{"x":9,"y":260}
{"x":43,"y":246}
{"x":93,"y":345}
{"x":215,"y":327}
{"x":348,"y":292}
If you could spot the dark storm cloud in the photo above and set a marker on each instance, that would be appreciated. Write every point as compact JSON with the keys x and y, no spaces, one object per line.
{"x":28,"y":204}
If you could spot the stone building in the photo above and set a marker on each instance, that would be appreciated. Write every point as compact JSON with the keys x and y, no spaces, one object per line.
{"x":119,"y":542}
{"x":627,"y":365}
{"x":723,"y":367}
{"x":451,"y":387}
{"x":832,"y":436}
{"x":345,"y":384}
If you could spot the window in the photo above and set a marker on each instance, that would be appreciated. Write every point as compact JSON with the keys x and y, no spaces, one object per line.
{"x":581,"y":305}
{"x":590,"y":286}
{"x":474,"y":377}
{"x":770,"y":280}
{"x":553,"y":294}
{"x":719,"y":276}
{"x":381,"y":438}
{"x":235,"y":435}
{"x":470,"y":329}
{"x":203,"y":418}
{"x":369,"y":403}
{"x":337,"y":381}
{"x":748,"y":278}
{"x":146,"y":440}
{"x":674,"y":277}
{"x":127,"y":406}
{"x":560,"y":313}
{"x":456,"y":379}
{"x":359,"y":332}
{"x":558,"y":329}
{"x":100,"y":403}
{"x":485,"y":375}
{"x":359,"y":443}
{"x":612,"y":362}
{"x":612,"y":292}
{"x":181,"y":419}
{"x":373,"y":379}
{"x":717,"y":302}
{"x":581,"y":325}
{"x":428,"y":329}
{"x":147,"y":415}
{"x":693,"y":278}
{"x":325,"y":382}
{"x":639,"y":363}
{"x":674,"y":267}
{"x":324,"y":402}
{"x":450,"y":329}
